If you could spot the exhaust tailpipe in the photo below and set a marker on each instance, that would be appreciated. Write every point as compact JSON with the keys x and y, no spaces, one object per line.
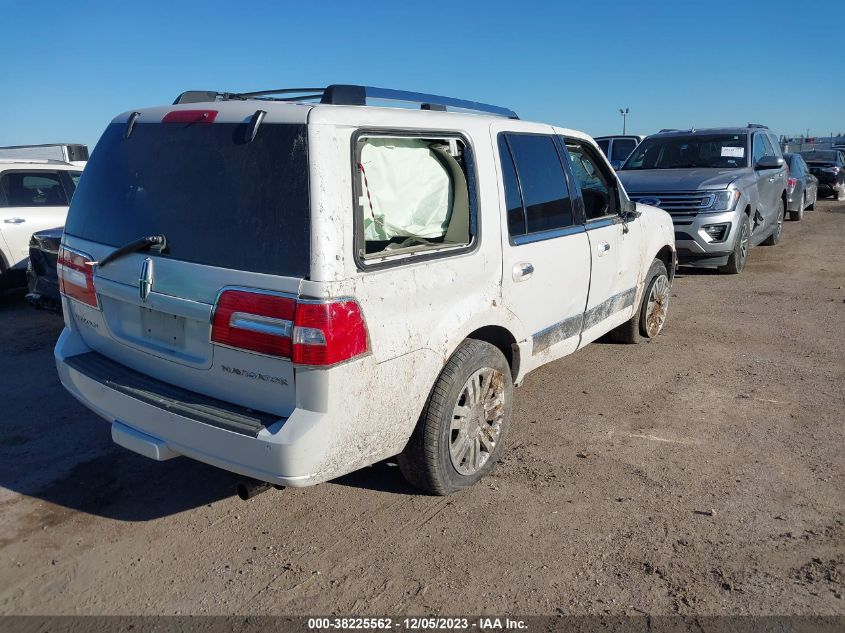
{"x":249,"y":488}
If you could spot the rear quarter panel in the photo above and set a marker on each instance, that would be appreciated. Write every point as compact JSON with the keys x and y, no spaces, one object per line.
{"x":417,"y":313}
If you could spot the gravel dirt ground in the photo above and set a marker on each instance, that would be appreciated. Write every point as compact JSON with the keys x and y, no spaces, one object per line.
{"x":701,"y":473}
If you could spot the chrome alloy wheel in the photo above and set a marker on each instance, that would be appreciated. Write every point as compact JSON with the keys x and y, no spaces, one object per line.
{"x":657,"y":307}
{"x":743,"y":243}
{"x":477,"y":420}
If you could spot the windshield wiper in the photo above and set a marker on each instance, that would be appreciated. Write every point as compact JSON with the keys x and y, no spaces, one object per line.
{"x":157,"y":241}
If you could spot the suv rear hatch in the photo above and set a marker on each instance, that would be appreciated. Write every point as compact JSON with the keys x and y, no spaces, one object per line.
{"x":234,"y":209}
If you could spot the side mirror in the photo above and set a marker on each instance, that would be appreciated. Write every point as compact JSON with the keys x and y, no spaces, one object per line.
{"x":616,"y":164}
{"x":628,"y":209}
{"x":769,"y":162}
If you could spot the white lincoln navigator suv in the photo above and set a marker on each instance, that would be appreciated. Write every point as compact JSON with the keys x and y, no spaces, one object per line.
{"x":293,"y":284}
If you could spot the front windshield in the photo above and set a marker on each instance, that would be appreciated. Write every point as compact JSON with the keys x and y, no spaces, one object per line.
{"x":718,"y":151}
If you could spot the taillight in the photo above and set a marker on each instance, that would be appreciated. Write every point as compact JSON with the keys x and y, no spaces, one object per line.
{"x":316,"y":333}
{"x":254,"y":321}
{"x":76,"y":278}
{"x":190,"y":116}
{"x":791,"y":182}
{"x":326,"y":333}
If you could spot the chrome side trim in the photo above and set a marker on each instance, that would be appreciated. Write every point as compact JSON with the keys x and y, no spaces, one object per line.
{"x":609,"y":307}
{"x":547,"y":235}
{"x":557,"y":333}
{"x":575,"y":325}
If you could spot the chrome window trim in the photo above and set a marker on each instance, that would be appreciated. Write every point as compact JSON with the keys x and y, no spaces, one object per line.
{"x":551,"y":234}
{"x":602,"y":222}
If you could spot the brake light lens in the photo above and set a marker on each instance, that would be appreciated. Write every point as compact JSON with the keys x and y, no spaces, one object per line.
{"x":326,"y":333}
{"x":316,"y":333}
{"x":255,"y":321}
{"x":190,"y":116}
{"x":791,"y":182}
{"x":76,"y":278}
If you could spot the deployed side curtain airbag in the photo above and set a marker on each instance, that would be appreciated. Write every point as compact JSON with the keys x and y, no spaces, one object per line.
{"x":407,"y":190}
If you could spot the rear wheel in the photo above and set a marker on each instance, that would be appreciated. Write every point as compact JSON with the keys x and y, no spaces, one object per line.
{"x":812,"y":205}
{"x":776,"y":234}
{"x":462,"y":429}
{"x":736,"y":262}
{"x":649,"y":319}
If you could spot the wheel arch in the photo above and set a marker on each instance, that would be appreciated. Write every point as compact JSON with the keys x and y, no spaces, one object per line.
{"x":667,"y":255}
{"x":501,"y":338}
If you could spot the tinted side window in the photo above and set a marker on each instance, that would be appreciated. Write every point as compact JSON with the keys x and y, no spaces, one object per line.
{"x":775,"y":146}
{"x":767,"y":144}
{"x":622,"y":148}
{"x":597,"y":190}
{"x":545,"y":194}
{"x":603,"y":145}
{"x":33,"y":189}
{"x":513,"y":199}
{"x":758,"y":149}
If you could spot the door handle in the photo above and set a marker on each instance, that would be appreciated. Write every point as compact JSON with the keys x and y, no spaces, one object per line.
{"x":522,"y":271}
{"x":602,"y":248}
{"x":14,"y":220}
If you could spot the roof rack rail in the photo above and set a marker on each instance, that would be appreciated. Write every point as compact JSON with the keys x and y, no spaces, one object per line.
{"x":668,"y":129}
{"x":343,"y":94}
{"x":764,"y":127}
{"x":34,"y":161}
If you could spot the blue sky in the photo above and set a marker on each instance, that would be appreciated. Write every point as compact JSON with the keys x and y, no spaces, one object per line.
{"x":68,"y":67}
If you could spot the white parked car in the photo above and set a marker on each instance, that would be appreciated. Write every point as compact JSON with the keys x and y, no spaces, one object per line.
{"x":34,"y":195}
{"x":292,"y":290}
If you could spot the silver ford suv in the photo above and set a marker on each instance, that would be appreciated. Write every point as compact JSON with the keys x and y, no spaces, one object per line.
{"x":724,"y":188}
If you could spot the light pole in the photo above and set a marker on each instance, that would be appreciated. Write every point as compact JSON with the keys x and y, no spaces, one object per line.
{"x":624,"y":113}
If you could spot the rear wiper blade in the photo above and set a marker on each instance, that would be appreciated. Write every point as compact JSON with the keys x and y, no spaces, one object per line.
{"x":157,"y":241}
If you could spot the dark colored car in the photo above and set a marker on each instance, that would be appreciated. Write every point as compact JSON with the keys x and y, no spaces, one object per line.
{"x":41,"y":275}
{"x":618,"y":148}
{"x":802,"y":187}
{"x":828,"y":166}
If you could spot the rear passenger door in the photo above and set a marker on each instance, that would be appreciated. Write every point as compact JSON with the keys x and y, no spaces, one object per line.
{"x":32,"y":200}
{"x":545,"y":251}
{"x":614,"y":246}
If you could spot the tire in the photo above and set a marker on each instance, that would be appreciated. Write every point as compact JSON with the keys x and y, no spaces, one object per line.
{"x":797,"y":216}
{"x":812,"y":205}
{"x":777,"y":233}
{"x":447,"y":453}
{"x":739,"y":256}
{"x":650,"y":317}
